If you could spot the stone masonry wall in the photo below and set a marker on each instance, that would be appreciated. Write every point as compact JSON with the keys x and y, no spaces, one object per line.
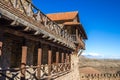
{"x":74,"y":74}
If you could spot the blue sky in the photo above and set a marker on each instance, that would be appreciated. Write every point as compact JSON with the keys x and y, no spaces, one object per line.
{"x":100,"y":18}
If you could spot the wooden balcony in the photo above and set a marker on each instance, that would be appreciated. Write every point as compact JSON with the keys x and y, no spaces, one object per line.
{"x":31,"y":72}
{"x":33,"y":22}
{"x":79,"y":41}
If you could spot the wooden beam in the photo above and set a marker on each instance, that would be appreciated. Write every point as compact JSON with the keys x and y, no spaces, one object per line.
{"x":1,"y":40}
{"x":23,"y":62}
{"x":15,"y":23}
{"x":27,"y":36}
{"x":15,"y":14}
{"x":57,"y":60}
{"x":27,"y":29}
{"x":50,"y":38}
{"x":37,"y":33}
{"x":70,"y":59}
{"x":66,"y":57}
{"x":49,"y":61}
{"x":45,"y":36}
{"x":62,"y":60}
{"x":39,"y":63}
{"x":1,"y":44}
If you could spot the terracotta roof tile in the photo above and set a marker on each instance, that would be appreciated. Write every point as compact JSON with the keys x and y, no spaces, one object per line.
{"x":62,"y":16}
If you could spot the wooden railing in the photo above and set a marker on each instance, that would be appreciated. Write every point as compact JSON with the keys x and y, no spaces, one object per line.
{"x":31,"y":72}
{"x":79,"y":40}
{"x":108,"y":76}
{"x":36,"y":17}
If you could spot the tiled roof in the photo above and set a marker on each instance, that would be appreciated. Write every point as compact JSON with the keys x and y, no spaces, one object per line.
{"x":62,"y":16}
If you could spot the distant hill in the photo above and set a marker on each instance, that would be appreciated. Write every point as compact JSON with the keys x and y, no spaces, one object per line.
{"x":102,"y":65}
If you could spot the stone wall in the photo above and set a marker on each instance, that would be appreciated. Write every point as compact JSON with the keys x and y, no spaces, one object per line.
{"x":74,"y":74}
{"x":12,"y":51}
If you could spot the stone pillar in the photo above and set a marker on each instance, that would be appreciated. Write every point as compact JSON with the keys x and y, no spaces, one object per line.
{"x":23,"y":61}
{"x":39,"y":63}
{"x":57,"y":60}
{"x":49,"y":61}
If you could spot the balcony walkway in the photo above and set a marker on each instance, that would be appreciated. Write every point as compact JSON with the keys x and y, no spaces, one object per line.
{"x":33,"y":22}
{"x":30,"y":23}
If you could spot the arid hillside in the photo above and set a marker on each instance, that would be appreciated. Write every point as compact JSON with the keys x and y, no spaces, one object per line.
{"x":88,"y":65}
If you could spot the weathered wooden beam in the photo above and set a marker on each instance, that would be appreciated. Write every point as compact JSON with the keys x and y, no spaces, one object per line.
{"x":27,"y":29}
{"x":14,"y":14}
{"x":62,"y":60}
{"x":1,"y":44}
{"x":23,"y":62}
{"x":66,"y":57}
{"x":38,"y":17}
{"x":45,"y":36}
{"x":57,"y":60}
{"x":54,"y":40}
{"x":14,"y":23}
{"x":27,"y":36}
{"x":50,"y":38}
{"x":58,"y":42}
{"x":39,"y":63}
{"x":15,"y":3}
{"x":37,"y":33}
{"x":1,"y":40}
{"x":70,"y":60}
{"x":49,"y":61}
{"x":0,"y":15}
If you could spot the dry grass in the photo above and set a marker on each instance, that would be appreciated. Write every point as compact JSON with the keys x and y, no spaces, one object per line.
{"x":102,"y":65}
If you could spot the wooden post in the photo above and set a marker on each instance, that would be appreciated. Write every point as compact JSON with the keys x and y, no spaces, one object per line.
{"x":39,"y":63}
{"x":49,"y":61}
{"x":62,"y":60}
{"x":70,"y":60}
{"x":66,"y":57}
{"x":1,"y":41}
{"x":23,"y":62}
{"x":66,"y":63}
{"x":57,"y":61}
{"x":1,"y":47}
{"x":76,"y":32}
